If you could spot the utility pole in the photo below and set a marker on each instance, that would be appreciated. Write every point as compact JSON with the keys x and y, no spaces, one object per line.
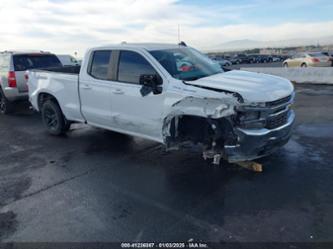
{"x":178,"y":33}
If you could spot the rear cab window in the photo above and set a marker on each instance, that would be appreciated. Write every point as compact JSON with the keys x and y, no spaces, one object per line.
{"x":131,"y":66}
{"x":23,"y":62}
{"x":100,"y":65}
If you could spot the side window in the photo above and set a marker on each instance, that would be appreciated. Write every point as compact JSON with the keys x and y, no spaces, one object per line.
{"x":99,"y":67}
{"x":131,"y":66}
{"x":4,"y":62}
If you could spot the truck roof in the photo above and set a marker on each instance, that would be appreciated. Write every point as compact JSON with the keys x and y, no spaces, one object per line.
{"x":146,"y":46}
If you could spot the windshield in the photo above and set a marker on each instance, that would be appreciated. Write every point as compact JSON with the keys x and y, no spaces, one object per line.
{"x":30,"y":61}
{"x":186,"y":63}
{"x":316,"y":54}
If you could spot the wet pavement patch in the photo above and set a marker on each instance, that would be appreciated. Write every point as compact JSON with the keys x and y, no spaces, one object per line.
{"x":8,"y":223}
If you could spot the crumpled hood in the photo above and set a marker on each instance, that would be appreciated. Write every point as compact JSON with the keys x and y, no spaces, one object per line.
{"x":253,"y":87}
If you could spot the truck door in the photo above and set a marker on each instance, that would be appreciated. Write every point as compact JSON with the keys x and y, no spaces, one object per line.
{"x":95,"y":89}
{"x":131,"y":111}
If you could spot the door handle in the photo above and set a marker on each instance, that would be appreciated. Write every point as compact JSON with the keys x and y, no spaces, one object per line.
{"x":118,"y":91}
{"x":86,"y":87}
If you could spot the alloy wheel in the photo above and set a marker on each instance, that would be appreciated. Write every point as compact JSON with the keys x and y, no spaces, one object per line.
{"x":51,"y":119}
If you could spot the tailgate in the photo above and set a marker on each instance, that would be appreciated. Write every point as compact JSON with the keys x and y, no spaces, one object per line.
{"x":21,"y":81}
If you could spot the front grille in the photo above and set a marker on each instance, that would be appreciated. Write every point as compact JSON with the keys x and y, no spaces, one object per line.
{"x":277,"y":121}
{"x":279,"y":101}
{"x":275,"y":114}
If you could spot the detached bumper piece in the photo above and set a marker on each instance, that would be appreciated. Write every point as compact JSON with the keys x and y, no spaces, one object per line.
{"x":255,"y":143}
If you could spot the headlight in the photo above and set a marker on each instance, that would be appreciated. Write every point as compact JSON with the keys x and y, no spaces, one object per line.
{"x":250,"y":120}
{"x":249,"y":116}
{"x":258,"y":104}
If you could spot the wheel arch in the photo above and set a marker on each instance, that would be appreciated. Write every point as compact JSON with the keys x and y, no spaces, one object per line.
{"x":198,"y":121}
{"x":45,"y":96}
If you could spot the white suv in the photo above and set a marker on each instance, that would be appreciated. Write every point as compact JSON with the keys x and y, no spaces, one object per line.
{"x":13,"y":65}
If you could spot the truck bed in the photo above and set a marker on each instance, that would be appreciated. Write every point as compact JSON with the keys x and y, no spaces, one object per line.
{"x":62,"y":84}
{"x":64,"y":69}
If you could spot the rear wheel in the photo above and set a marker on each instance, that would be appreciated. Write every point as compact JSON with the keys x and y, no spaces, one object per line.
{"x":5,"y":106}
{"x":53,"y":118}
{"x":285,"y":64}
{"x":304,"y":65}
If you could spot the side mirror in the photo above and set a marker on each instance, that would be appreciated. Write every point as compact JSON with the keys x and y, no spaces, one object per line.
{"x":150,"y":83}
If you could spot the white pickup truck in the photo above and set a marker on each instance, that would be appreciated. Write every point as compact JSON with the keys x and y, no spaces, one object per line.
{"x":171,"y":94}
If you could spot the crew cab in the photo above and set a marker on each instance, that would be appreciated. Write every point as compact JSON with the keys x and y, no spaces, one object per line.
{"x":172,"y":94}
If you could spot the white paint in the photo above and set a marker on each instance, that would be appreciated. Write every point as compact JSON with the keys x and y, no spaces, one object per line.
{"x":251,"y":86}
{"x":316,"y":75}
{"x":120,"y":107}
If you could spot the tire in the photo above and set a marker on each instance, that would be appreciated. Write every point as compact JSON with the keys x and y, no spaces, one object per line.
{"x":53,"y":118}
{"x":6,"y":106}
{"x":304,"y":65}
{"x":285,"y":64}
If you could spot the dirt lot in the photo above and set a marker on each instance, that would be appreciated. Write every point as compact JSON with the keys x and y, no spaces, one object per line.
{"x":94,"y":185}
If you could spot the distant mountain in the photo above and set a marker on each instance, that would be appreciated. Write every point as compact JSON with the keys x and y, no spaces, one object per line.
{"x":250,"y":44}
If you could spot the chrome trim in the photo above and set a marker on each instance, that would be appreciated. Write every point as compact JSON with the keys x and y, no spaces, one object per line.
{"x":278,"y":113}
{"x":264,"y":131}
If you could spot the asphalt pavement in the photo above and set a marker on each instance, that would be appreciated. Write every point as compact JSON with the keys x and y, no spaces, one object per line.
{"x":95,"y":185}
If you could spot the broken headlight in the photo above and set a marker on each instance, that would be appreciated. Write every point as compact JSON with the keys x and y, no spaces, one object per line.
{"x":250,"y":120}
{"x":248,"y":116}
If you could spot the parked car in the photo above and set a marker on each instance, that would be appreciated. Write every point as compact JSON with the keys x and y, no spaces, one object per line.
{"x":309,"y":59}
{"x":67,"y":60}
{"x":264,"y":58}
{"x":13,"y":65}
{"x":136,"y":89}
{"x":240,"y":59}
{"x":276,"y":59}
{"x":330,"y":55}
{"x":223,"y":62}
{"x":253,"y":58}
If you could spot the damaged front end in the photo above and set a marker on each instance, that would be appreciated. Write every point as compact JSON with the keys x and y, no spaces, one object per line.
{"x":227,"y":128}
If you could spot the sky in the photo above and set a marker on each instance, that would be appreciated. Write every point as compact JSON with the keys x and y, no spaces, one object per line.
{"x":68,"y":26}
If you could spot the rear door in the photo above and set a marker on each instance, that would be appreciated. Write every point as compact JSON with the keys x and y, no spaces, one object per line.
{"x":95,"y":89}
{"x":24,"y":62}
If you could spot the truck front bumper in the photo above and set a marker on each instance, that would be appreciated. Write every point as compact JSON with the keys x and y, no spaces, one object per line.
{"x":252,"y":144}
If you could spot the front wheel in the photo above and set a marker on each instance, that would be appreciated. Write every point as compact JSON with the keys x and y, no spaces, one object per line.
{"x":5,"y":106}
{"x":53,"y":118}
{"x":304,"y":65}
{"x":285,"y":64}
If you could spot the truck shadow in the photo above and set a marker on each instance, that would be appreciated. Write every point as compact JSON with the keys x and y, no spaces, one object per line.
{"x":22,"y":109}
